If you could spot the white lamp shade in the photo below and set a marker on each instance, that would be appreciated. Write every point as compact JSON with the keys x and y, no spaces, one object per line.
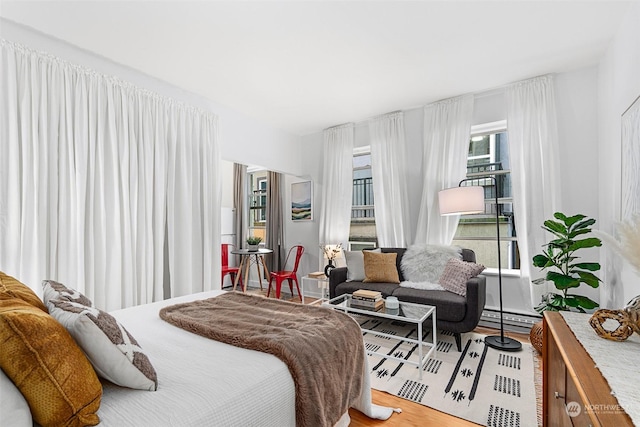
{"x":461,"y":200}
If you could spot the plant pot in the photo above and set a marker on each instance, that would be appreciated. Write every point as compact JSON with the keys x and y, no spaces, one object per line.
{"x":252,"y":248}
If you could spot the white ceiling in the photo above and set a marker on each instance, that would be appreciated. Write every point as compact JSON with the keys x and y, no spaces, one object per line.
{"x":307,"y":65}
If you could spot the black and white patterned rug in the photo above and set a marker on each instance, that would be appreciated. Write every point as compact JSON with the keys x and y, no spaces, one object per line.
{"x":480,"y":384}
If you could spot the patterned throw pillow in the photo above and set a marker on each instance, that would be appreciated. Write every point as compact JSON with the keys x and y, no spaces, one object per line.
{"x":380,"y":267}
{"x":456,"y":273}
{"x":11,"y":288}
{"x":53,"y":290}
{"x":46,"y":364}
{"x":113,"y":352}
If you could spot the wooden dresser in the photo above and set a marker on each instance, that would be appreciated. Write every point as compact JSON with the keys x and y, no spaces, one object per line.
{"x":570,"y":375}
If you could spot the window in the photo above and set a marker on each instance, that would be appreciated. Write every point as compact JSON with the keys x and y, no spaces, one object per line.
{"x":489,"y":156}
{"x":257,"y":182}
{"x":363,"y":225}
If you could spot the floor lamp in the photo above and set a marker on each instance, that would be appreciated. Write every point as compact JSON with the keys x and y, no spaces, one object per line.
{"x":466,"y":200}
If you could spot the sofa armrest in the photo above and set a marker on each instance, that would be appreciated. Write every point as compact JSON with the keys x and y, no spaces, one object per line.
{"x":336,"y":276}
{"x":476,"y":298}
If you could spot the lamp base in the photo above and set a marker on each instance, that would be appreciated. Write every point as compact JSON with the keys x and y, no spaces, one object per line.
{"x":503,"y":343}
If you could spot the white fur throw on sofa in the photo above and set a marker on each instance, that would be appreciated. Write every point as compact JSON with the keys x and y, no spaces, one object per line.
{"x":422,"y":265}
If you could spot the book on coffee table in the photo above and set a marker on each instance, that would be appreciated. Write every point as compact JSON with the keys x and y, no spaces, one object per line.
{"x":367,"y":294}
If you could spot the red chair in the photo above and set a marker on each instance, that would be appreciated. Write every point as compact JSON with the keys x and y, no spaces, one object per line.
{"x":290,"y":275}
{"x":229,"y":270}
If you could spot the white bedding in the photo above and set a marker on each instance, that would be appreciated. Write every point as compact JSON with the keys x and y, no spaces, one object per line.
{"x":201,"y":382}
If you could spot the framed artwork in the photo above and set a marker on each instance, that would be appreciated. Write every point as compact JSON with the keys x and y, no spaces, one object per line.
{"x":301,"y":201}
{"x":630,"y":194}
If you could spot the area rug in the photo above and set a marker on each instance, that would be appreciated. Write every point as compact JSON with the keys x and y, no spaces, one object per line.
{"x":479,"y":384}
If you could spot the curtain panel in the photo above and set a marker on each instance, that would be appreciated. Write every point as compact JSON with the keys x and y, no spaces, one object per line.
{"x":388,"y":169}
{"x":275,"y":221}
{"x":337,"y":179}
{"x":103,"y":184}
{"x":447,"y":129}
{"x":239,"y":202}
{"x":533,"y":144}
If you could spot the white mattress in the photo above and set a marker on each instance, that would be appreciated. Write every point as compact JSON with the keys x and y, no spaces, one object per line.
{"x":201,"y":382}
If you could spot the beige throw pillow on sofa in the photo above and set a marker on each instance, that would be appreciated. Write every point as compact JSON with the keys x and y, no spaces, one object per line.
{"x":380,"y":267}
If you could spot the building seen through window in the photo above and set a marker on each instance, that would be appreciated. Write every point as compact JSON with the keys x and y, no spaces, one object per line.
{"x":363,"y":224}
{"x":489,"y":156}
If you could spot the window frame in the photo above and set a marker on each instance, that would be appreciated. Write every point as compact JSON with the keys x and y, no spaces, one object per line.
{"x":362,"y":221}
{"x":482,"y":130}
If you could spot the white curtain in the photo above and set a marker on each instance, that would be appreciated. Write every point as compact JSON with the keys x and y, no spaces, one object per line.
{"x":533,"y":142}
{"x":337,"y":179}
{"x":388,"y":168}
{"x":103,"y":184}
{"x":447,"y":129}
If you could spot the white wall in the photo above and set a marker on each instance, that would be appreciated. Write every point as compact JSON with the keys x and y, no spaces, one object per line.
{"x":577,"y":128}
{"x":618,"y":87}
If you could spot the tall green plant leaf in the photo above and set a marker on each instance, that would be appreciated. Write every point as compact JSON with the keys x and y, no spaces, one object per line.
{"x":569,"y":221}
{"x":591,"y":266}
{"x":589,"y":279}
{"x":585,"y":224}
{"x":590,"y":242}
{"x":562,"y":281}
{"x":555,"y":227}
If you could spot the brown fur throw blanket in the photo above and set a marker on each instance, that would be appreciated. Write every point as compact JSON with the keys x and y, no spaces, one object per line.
{"x":322,"y":348}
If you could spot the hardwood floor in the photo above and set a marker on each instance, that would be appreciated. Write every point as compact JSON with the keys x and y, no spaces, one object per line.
{"x":413,"y":414}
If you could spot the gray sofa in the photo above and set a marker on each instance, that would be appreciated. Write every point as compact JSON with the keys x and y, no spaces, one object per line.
{"x":454,"y":313}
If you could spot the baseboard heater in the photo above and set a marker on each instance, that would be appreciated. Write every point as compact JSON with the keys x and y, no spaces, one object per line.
{"x":515,"y":322}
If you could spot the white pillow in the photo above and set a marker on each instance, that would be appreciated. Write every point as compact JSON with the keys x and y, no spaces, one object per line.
{"x":355,"y":265}
{"x":14,"y":409}
{"x":113,"y":352}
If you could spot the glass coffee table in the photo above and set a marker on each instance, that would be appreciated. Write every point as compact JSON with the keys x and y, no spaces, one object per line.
{"x":406,"y":312}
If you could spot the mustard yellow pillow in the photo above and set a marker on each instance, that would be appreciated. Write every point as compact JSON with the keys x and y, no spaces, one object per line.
{"x":48,"y":367}
{"x":380,"y":267}
{"x":11,"y":288}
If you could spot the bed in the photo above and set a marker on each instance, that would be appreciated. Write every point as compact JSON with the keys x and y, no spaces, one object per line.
{"x":200,"y":381}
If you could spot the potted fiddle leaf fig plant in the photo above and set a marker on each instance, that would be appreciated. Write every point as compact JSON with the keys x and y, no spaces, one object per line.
{"x":563,"y":265}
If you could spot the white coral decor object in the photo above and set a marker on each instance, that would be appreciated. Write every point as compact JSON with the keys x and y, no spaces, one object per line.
{"x":628,"y":244}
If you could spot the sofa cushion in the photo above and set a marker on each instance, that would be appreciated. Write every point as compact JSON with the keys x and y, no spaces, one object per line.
{"x":385,"y":289}
{"x":451,"y":307}
{"x":380,"y":267}
{"x":456,"y":273}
